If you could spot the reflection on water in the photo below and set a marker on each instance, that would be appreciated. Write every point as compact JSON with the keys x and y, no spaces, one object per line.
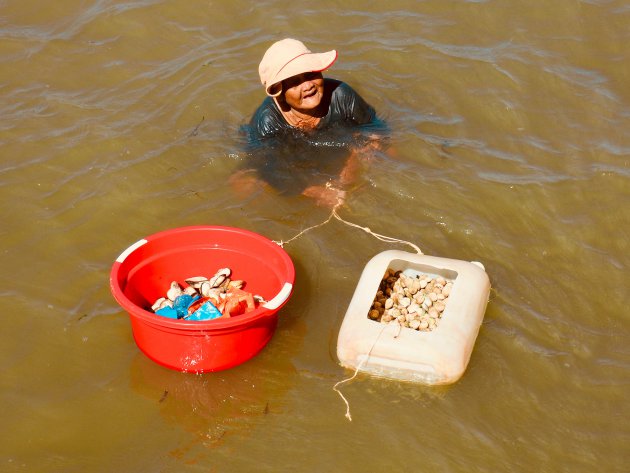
{"x":509,"y":145}
{"x":210,"y":405}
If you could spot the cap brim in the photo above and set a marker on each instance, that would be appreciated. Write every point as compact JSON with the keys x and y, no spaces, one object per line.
{"x":310,"y":62}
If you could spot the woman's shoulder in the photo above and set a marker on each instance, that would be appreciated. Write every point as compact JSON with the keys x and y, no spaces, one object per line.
{"x":347,"y":104}
{"x":267,"y":119}
{"x":339,"y":88}
{"x":265,"y":110}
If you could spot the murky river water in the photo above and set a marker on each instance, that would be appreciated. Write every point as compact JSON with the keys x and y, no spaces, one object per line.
{"x":510,"y":124}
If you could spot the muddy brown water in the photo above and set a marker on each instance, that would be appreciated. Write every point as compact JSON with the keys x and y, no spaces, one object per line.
{"x":510,"y":122}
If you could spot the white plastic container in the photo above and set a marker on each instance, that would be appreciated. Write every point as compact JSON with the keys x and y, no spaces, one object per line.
{"x":391,"y":351}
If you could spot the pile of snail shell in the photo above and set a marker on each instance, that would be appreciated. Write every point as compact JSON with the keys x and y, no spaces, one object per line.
{"x":413,"y":302}
{"x":217,"y":286}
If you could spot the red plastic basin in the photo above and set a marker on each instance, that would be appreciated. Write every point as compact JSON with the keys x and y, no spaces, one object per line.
{"x":144,"y":271}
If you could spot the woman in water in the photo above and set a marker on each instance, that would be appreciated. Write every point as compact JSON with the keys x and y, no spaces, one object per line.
{"x":307,"y":134}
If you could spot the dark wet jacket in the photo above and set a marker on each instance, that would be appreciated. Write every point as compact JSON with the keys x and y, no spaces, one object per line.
{"x":291,"y":159}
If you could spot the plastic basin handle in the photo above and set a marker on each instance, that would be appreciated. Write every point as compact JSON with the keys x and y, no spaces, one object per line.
{"x":280,"y":298}
{"x":130,"y":250}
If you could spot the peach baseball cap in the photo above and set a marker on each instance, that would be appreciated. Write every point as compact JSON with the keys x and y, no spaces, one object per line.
{"x":288,"y":58}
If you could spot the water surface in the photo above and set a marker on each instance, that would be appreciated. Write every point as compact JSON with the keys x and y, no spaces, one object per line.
{"x":510,"y":146}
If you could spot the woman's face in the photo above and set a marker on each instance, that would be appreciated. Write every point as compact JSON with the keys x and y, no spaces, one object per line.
{"x":304,"y":92}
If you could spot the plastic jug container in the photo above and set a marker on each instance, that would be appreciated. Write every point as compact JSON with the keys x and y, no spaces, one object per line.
{"x":392,"y":351}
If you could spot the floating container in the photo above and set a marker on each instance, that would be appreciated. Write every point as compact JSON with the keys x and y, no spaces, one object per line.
{"x":392,"y":351}
{"x":144,"y":271}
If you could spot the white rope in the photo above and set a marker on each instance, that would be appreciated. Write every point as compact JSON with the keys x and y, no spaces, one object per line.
{"x":282,"y":243}
{"x":356,"y":372}
{"x":358,"y":368}
{"x":334,"y":214}
{"x":378,"y":236}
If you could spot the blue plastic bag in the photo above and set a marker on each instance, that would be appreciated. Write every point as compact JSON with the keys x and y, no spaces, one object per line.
{"x":167,"y":311}
{"x":181,"y":305}
{"x":207,"y":311}
{"x":179,"y":309}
